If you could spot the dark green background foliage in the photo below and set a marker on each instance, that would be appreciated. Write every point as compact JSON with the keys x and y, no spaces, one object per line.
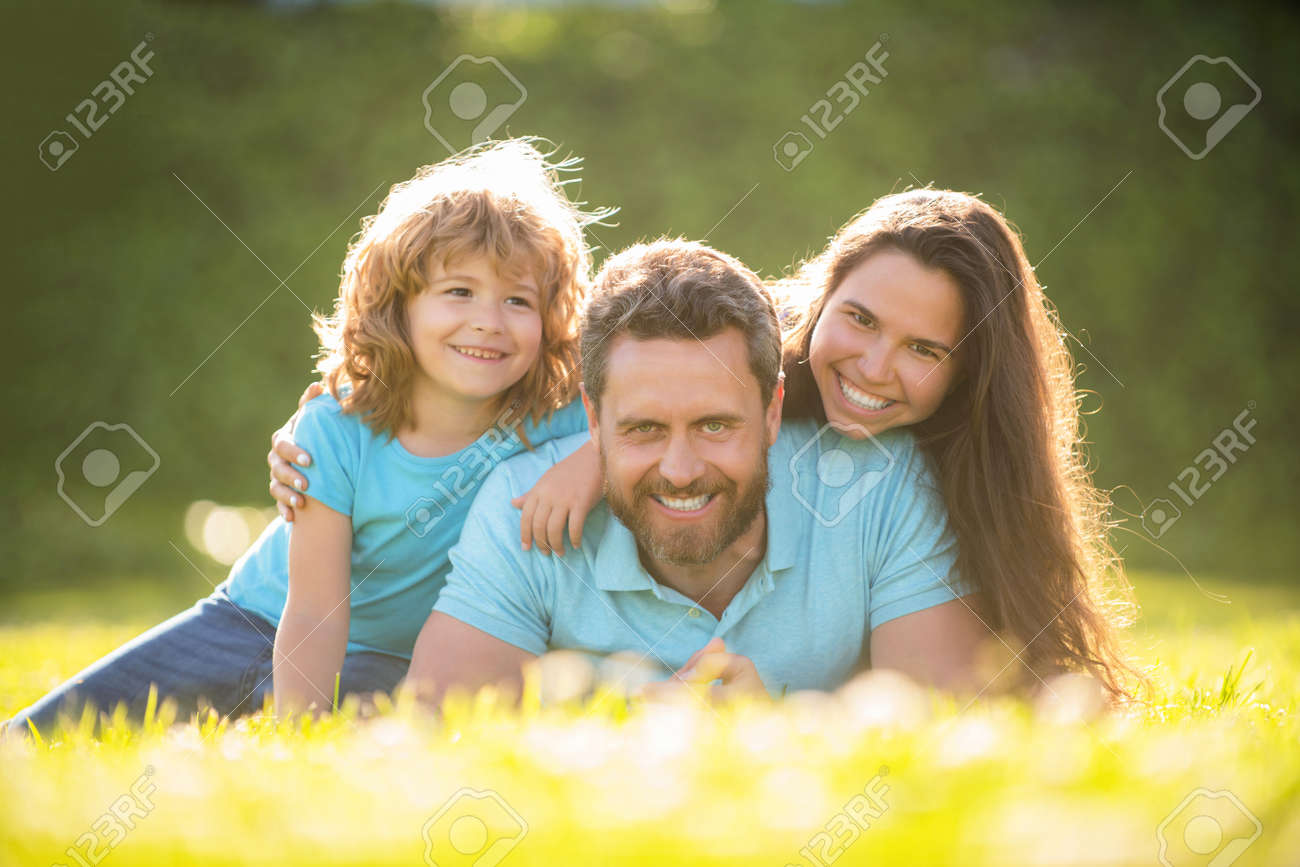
{"x":121,"y":282}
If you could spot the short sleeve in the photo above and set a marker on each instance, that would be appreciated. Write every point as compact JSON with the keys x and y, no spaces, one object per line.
{"x":332,"y":438}
{"x":494,"y":585}
{"x":565,"y":421}
{"x":918,"y":553}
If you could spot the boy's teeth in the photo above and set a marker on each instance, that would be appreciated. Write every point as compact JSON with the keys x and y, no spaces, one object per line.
{"x":861,"y":398}
{"x":678,"y":504}
{"x":478,"y":353}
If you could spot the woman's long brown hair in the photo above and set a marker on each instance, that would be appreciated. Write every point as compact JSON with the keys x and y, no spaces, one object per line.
{"x":1006,"y":443}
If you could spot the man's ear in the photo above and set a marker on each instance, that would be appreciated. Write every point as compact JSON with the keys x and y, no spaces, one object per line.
{"x":774,"y":410}
{"x":593,"y":417}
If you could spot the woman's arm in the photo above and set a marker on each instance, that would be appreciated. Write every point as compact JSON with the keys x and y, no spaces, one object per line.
{"x":286,"y":482}
{"x":562,"y":497}
{"x":938,"y":646}
{"x":312,"y":638}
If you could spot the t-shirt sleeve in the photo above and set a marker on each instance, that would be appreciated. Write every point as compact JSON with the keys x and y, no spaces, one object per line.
{"x":568,"y":419}
{"x":917,"y":556}
{"x":494,"y":585}
{"x":332,"y":438}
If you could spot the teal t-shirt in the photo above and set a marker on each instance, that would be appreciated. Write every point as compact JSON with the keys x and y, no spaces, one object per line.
{"x":407,"y":512}
{"x":857,"y":535}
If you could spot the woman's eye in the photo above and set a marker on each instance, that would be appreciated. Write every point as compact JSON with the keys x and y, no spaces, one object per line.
{"x":923,"y":350}
{"x":859,"y":318}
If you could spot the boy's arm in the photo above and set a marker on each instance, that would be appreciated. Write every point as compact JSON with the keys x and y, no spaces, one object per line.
{"x":562,"y":497}
{"x":452,"y":654}
{"x":312,"y":638}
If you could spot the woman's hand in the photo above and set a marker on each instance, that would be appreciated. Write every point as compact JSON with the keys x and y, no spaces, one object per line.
{"x":562,"y":497}
{"x":286,"y":482}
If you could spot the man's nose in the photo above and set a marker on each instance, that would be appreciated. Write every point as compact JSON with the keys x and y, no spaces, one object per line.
{"x":680,"y":465}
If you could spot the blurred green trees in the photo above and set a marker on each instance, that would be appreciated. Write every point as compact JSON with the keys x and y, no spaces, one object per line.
{"x":146,"y":281}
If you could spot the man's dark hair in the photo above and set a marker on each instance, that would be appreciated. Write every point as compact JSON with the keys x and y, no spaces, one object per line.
{"x":679,"y":290}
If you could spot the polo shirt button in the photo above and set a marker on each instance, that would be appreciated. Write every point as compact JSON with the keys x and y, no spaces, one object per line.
{"x":694,"y":612}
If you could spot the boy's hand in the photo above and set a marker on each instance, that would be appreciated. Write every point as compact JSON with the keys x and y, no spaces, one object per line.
{"x":562,"y":498}
{"x":286,"y":482}
{"x":738,"y":675}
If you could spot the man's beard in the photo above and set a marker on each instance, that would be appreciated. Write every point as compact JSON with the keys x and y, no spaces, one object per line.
{"x":693,"y":545}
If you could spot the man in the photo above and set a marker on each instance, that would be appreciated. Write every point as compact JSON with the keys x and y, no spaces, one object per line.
{"x":765,"y":557}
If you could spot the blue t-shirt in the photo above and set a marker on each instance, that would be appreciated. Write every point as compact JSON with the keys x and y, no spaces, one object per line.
{"x":407,"y":512}
{"x":856,"y":535}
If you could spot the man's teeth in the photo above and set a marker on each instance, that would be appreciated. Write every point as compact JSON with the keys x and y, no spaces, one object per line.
{"x":479,"y":353}
{"x":860,"y":398}
{"x":678,"y":504}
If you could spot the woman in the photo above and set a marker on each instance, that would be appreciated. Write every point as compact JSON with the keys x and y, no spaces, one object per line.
{"x":924,"y":311}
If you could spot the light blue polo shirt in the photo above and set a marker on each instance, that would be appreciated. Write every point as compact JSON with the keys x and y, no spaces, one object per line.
{"x":406,"y":513}
{"x":856,"y":536}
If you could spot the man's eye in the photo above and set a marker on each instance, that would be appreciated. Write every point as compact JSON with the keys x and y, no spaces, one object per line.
{"x":714,"y":427}
{"x":643,"y":428}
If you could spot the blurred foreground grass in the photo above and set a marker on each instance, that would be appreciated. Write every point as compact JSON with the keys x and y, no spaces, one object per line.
{"x":885,"y":774}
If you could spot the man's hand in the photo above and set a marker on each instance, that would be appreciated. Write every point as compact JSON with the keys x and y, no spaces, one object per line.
{"x":737,"y":674}
{"x":286,"y":482}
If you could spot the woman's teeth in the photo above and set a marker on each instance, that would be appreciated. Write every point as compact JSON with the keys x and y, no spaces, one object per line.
{"x":860,"y":398}
{"x":479,"y":353}
{"x":683,"y":505}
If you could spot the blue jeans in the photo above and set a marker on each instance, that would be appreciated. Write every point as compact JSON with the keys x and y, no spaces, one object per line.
{"x":216,"y":654}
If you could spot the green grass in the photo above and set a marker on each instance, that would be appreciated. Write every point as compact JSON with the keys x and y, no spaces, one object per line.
{"x":1001,"y":782}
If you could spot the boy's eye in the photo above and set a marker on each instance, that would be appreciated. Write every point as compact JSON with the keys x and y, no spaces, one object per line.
{"x":520,"y":301}
{"x":459,"y":291}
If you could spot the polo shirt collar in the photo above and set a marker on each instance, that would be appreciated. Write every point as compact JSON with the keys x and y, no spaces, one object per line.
{"x":618,"y":565}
